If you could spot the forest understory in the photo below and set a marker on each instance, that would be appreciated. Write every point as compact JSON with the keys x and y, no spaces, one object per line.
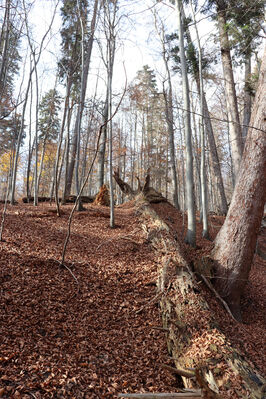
{"x":99,"y":334}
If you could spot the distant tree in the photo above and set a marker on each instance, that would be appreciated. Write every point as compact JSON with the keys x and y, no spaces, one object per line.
{"x":169,"y":113}
{"x":48,"y":124}
{"x":223,"y":18}
{"x":9,"y":49}
{"x":150,"y":105}
{"x":193,"y":69}
{"x":49,"y":120}
{"x":244,"y":28}
{"x":77,"y":43}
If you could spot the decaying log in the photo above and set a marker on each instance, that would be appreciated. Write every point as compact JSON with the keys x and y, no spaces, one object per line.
{"x":199,"y":343}
{"x":85,"y":199}
{"x":69,"y":200}
{"x":146,"y":192}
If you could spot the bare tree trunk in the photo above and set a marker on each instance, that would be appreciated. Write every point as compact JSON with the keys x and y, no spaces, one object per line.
{"x":102,"y":147}
{"x":203,"y":191}
{"x":69,"y":116}
{"x":41,"y":166}
{"x":110,"y":23}
{"x":14,"y":174}
{"x":60,"y":139}
{"x":191,"y":232}
{"x":236,"y":242}
{"x":36,"y":134}
{"x":15,"y":166}
{"x":4,"y":58}
{"x":85,"y":72}
{"x":168,"y":96}
{"x":231,"y":100}
{"x":247,"y":98}
{"x":29,"y":152}
{"x":209,"y":131}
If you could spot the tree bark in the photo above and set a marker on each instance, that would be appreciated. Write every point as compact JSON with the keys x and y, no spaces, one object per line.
{"x":231,"y":100}
{"x":102,"y":147}
{"x":191,"y":232}
{"x":85,"y":72}
{"x":213,"y":150}
{"x":168,"y":97}
{"x":247,"y":98}
{"x":236,"y":242}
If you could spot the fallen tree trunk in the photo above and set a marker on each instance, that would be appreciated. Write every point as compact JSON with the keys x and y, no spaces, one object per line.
{"x":69,"y":200}
{"x":194,"y":339}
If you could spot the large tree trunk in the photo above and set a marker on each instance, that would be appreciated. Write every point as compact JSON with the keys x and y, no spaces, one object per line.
{"x":231,"y":100}
{"x":236,"y":241}
{"x":191,"y":231}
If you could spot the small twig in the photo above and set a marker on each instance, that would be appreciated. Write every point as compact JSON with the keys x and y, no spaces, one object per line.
{"x":182,"y":373}
{"x":211,"y":287}
{"x":160,"y":328}
{"x":150,"y":302}
{"x":70,"y":271}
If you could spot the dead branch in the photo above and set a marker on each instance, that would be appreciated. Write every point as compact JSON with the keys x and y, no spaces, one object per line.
{"x":211,"y":287}
{"x":125,"y":188}
{"x":150,"y":302}
{"x":181,"y":372}
{"x":70,"y":271}
{"x":160,"y":328}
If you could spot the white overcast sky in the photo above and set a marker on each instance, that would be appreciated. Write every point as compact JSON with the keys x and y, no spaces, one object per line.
{"x":137,"y":43}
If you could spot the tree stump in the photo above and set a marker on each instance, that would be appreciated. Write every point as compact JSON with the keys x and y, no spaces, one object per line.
{"x":103,"y":196}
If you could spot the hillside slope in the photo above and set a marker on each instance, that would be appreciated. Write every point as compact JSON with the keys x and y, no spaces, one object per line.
{"x":98,"y":333}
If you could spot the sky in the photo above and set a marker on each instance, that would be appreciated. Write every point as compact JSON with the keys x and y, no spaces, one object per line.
{"x":137,"y":42}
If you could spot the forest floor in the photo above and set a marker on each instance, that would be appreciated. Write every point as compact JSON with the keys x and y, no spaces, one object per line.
{"x":97,"y":334}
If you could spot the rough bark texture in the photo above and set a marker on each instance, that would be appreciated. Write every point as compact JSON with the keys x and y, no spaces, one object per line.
{"x":236,"y":242}
{"x":182,"y":306}
{"x":247,"y":98}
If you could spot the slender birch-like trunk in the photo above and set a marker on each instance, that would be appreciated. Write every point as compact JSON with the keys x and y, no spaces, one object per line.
{"x":191,"y":231}
{"x":85,"y":72}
